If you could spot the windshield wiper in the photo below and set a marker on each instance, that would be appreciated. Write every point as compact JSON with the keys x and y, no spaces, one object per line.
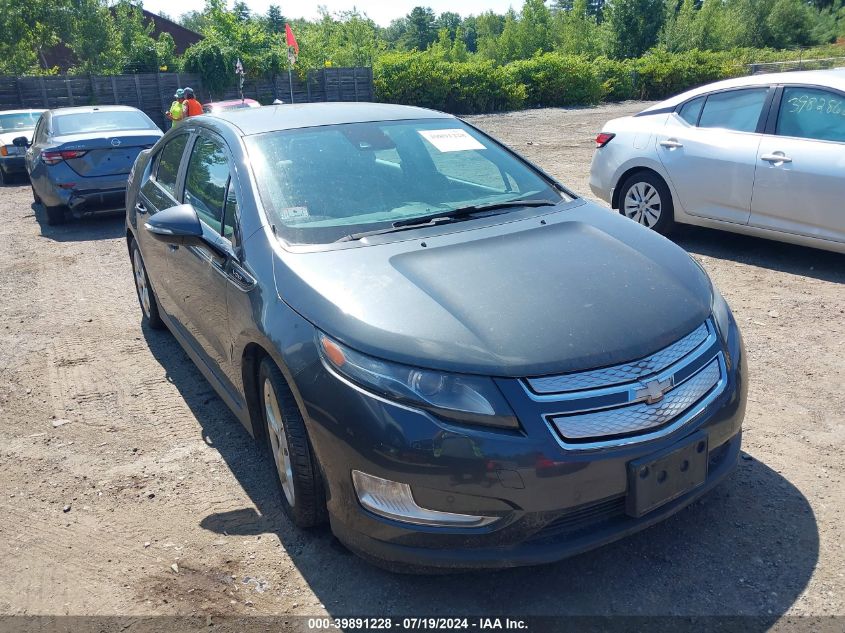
{"x":447,"y":217}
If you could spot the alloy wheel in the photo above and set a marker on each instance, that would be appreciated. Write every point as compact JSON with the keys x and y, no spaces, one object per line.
{"x":141,"y":283}
{"x":643,"y":204}
{"x":279,"y":441}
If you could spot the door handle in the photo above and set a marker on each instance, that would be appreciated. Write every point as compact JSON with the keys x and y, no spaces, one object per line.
{"x":776,"y":158}
{"x":140,"y":208}
{"x":671,"y":143}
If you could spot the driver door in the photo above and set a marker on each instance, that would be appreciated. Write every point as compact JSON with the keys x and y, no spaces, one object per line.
{"x":195,"y":271}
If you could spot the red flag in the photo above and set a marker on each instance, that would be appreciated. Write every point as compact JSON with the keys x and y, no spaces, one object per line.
{"x":290,"y":39}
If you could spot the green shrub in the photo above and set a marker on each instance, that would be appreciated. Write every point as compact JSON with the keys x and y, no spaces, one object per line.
{"x":480,"y":86}
{"x":553,"y":79}
{"x":660,"y":74}
{"x":616,"y":77}
{"x":414,"y":78}
{"x":429,"y":81}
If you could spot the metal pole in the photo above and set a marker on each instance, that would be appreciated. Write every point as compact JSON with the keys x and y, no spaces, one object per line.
{"x":290,"y":80}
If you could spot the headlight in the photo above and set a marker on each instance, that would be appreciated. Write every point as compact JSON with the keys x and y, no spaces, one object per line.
{"x":462,"y":398}
{"x":721,"y":314}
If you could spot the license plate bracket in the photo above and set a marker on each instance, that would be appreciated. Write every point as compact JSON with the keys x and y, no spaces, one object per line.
{"x":658,"y":478}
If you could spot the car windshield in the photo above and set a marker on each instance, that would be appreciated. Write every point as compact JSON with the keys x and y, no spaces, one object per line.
{"x":18,"y":121}
{"x":323,"y":183}
{"x":101,"y":121}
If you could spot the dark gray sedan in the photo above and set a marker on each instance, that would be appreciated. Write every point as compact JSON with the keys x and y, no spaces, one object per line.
{"x":79,"y":158}
{"x":452,"y":358}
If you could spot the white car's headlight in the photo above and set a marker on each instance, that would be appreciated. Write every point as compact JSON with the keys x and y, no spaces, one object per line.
{"x":459,"y":397}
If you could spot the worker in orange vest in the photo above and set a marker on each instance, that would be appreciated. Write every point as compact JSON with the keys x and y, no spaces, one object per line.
{"x":190,"y":105}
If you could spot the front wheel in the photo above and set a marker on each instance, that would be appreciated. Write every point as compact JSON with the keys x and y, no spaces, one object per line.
{"x":146,"y":296}
{"x":298,"y":473}
{"x":645,"y":198}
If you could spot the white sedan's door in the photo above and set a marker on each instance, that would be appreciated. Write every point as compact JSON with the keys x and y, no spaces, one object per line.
{"x":709,"y":149}
{"x":800,"y":183}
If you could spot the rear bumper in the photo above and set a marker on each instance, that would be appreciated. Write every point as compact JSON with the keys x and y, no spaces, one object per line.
{"x":13,"y":164}
{"x":88,"y":202}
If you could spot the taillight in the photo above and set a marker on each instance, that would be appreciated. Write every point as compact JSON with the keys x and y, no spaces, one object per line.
{"x":4,"y":151}
{"x":603,"y":139}
{"x":53,"y":158}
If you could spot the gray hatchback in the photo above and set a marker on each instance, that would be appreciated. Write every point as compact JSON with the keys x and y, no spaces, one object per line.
{"x":79,"y":158}
{"x":452,"y":358}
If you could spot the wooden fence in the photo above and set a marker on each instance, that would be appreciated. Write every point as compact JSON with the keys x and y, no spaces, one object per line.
{"x":153,"y":92}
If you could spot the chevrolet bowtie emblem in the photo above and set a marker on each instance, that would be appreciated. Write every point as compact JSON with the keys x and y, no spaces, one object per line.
{"x":654,"y":390}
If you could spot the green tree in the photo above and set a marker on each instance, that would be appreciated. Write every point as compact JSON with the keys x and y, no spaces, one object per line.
{"x":632,"y":26}
{"x":450,"y":21}
{"x":94,"y":38}
{"x":791,"y":23}
{"x":421,"y":29}
{"x":275,"y":19}
{"x":576,"y":30}
{"x":28,"y":30}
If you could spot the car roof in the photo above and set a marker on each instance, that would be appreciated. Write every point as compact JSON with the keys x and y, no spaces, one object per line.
{"x":89,"y":109}
{"x":26,"y":111}
{"x":291,"y":117}
{"x":229,"y":102}
{"x":834,"y":78}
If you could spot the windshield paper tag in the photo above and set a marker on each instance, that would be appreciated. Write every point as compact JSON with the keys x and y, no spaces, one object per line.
{"x":291,"y":213}
{"x":456,"y":140}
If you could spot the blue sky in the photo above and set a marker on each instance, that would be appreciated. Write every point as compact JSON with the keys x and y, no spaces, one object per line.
{"x":382,"y":11}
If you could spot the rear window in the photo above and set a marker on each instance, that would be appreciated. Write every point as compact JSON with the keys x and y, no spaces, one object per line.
{"x":101,"y":121}
{"x":18,"y":121}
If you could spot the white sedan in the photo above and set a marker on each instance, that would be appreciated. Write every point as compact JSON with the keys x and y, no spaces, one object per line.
{"x":761,"y":155}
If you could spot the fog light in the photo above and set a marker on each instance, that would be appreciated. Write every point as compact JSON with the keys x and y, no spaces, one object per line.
{"x":394,"y":500}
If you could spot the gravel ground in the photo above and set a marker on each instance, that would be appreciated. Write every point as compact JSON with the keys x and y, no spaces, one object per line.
{"x":118,"y":461}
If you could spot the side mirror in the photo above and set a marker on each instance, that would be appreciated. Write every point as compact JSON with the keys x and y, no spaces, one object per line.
{"x":21,"y":141}
{"x":176,"y":225}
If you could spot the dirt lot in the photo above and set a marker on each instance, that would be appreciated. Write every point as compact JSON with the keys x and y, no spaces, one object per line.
{"x":117,"y":460}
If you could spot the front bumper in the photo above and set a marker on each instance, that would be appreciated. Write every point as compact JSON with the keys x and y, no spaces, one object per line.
{"x":575,"y":531}
{"x":552,"y":502}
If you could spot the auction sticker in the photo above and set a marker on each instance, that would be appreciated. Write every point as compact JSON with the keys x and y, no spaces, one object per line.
{"x":456,"y":140}
{"x":292,"y":213}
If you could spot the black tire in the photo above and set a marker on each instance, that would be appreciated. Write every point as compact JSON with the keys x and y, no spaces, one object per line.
{"x":149,"y":304}
{"x":35,"y":196}
{"x":305,"y":500}
{"x":641,"y":187}
{"x":55,"y":215}
{"x":4,"y":177}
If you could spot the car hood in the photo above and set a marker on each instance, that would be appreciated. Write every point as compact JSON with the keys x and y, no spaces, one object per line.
{"x":6,"y":138}
{"x":585,"y":289}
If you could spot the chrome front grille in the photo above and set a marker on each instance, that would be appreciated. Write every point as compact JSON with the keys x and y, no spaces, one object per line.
{"x":619,"y":374}
{"x":640,"y":417}
{"x":634,"y":401}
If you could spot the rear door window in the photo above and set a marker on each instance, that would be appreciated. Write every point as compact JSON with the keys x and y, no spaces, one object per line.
{"x":168,"y":164}
{"x":812,"y":113}
{"x":737,"y":110}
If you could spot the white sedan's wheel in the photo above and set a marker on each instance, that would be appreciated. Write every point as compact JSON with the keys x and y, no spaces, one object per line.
{"x":645,"y":199}
{"x":643,"y":204}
